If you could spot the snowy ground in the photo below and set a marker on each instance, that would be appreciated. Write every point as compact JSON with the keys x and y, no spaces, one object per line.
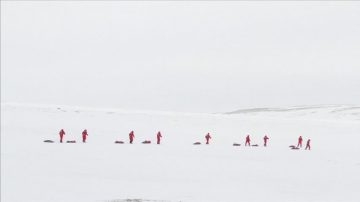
{"x":34,"y":171}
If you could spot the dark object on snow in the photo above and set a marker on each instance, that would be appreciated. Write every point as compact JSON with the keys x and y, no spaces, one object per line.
{"x":119,"y":142}
{"x":146,"y":142}
{"x":236,"y":144}
{"x":48,"y":141}
{"x":255,"y":145}
{"x":197,"y":143}
{"x":71,"y":141}
{"x":293,"y":147}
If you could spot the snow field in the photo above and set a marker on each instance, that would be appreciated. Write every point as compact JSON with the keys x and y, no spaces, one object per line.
{"x":176,"y":170}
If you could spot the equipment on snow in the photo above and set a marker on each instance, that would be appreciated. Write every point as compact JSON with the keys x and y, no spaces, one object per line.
{"x":119,"y":142}
{"x":293,"y":147}
{"x":71,"y":141}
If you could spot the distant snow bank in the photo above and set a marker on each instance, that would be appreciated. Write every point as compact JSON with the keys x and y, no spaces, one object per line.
{"x":319,"y":112}
{"x":78,"y":109}
{"x":349,"y":112}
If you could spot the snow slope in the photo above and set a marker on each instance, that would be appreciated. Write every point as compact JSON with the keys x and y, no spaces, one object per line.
{"x":176,"y":170}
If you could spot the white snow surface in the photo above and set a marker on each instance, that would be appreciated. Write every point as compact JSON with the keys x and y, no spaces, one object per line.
{"x":177,"y":170}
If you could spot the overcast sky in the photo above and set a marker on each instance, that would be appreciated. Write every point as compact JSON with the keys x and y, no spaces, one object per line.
{"x":180,"y":56}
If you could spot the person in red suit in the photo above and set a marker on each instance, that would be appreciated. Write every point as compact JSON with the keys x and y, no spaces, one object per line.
{"x":207,"y":137}
{"x":84,"y":135}
{"x":265,"y":140}
{"x":131,"y":137}
{"x":61,"y":133}
{"x":307,"y":145}
{"x":158,"y":137}
{"x":300,"y":142}
{"x":247,"y":140}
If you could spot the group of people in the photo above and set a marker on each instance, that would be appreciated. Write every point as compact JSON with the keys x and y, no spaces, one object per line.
{"x":299,"y":145}
{"x":247,"y":139}
{"x":132,"y":136}
{"x":85,"y":134}
{"x":207,"y":138}
{"x":265,"y":138}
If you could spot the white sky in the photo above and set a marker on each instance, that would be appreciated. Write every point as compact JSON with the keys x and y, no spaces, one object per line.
{"x":180,"y":56}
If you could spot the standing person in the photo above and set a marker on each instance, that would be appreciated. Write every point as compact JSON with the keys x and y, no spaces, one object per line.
{"x":247,"y":141}
{"x":84,"y":134}
{"x":207,"y":137}
{"x":158,"y":137}
{"x":300,"y":142}
{"x":61,"y":133}
{"x":307,"y":145}
{"x":131,"y":136}
{"x":265,"y":140}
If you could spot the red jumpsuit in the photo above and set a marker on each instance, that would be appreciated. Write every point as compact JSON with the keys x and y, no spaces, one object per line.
{"x":131,"y":137}
{"x":207,"y":137}
{"x":61,"y":133}
{"x":307,"y":145}
{"x":300,"y":142}
{"x":84,"y":134}
{"x":247,"y":142}
{"x":265,"y":140}
{"x":158,"y":137}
